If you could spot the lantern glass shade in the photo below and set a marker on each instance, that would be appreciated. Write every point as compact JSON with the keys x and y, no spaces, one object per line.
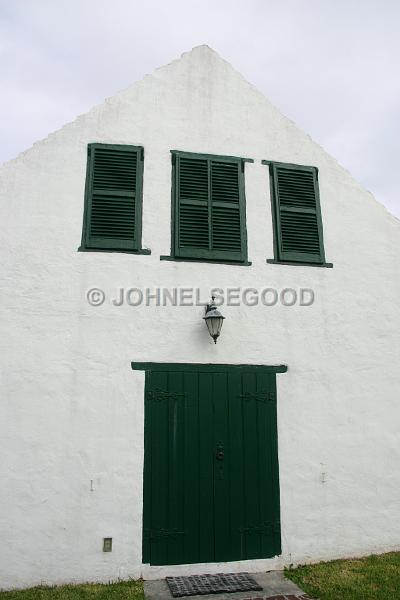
{"x":214,"y":321}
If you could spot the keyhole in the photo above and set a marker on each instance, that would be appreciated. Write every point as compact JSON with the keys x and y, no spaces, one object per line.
{"x":220,"y":452}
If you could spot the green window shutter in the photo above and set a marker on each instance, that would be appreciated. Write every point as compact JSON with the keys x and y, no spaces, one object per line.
{"x":209,"y":203}
{"x":113,"y":197}
{"x":297,"y":213}
{"x":193,"y":206}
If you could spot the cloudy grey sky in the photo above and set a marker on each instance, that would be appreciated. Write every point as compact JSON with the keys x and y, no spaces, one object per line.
{"x":330,"y":65}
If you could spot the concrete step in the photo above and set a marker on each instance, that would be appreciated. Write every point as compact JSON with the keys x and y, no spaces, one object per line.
{"x":274,"y":585}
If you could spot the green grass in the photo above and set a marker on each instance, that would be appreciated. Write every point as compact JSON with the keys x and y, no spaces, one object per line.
{"x":371,"y":578}
{"x":124,"y":590}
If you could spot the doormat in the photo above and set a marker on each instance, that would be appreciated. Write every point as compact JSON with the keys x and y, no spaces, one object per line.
{"x":211,"y":584}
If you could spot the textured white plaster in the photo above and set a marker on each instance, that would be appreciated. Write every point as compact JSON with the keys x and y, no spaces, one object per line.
{"x":72,"y":409}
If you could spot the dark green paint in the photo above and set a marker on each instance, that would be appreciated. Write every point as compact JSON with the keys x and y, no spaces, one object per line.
{"x":296,"y":214}
{"x":203,"y":260}
{"x":211,"y":475}
{"x":112,"y":219}
{"x":140,"y":251}
{"x":211,"y":156}
{"x":273,"y":261}
{"x":208,"y":208}
{"x":209,"y":367}
{"x":273,"y":162}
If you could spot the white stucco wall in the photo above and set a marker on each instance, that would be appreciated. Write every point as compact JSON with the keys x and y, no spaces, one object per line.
{"x":72,"y":408}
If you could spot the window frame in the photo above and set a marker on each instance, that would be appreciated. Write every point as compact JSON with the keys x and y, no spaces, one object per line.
{"x":295,"y":258}
{"x":86,"y":245}
{"x":200,"y":254}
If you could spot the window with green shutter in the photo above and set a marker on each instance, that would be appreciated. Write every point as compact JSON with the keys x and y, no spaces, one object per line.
{"x":298,"y":235}
{"x":113,"y":198}
{"x":209,"y":212}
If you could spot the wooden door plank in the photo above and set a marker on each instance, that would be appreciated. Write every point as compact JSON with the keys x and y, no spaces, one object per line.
{"x":275,"y":488}
{"x":176,"y":483}
{"x":159,"y":468}
{"x":206,"y":469}
{"x":265,"y":403}
{"x":221,"y":468}
{"x":251,"y":465}
{"x":147,"y":472}
{"x":191,"y":457}
{"x":236,"y":467}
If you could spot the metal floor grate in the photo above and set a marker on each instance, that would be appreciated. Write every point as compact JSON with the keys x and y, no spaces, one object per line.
{"x":199,"y":585}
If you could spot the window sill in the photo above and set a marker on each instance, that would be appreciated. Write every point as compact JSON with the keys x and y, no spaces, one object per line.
{"x":273,"y":261}
{"x":139,"y":251}
{"x":207,"y":260}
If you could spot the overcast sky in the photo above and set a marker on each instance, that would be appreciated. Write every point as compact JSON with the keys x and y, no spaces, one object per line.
{"x":332,"y":66}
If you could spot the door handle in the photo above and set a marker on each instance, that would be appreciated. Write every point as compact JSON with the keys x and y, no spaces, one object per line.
{"x":220,"y":453}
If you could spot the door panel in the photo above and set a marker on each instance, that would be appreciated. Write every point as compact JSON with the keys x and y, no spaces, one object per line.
{"x":211,"y":489}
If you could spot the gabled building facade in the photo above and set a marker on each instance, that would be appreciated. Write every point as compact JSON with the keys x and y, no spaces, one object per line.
{"x":132,"y":444}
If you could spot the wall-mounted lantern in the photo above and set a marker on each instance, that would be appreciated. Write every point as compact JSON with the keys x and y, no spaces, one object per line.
{"x":214,"y":320}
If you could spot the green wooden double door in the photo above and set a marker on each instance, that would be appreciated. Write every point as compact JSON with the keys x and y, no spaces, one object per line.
{"x":211,"y":486}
